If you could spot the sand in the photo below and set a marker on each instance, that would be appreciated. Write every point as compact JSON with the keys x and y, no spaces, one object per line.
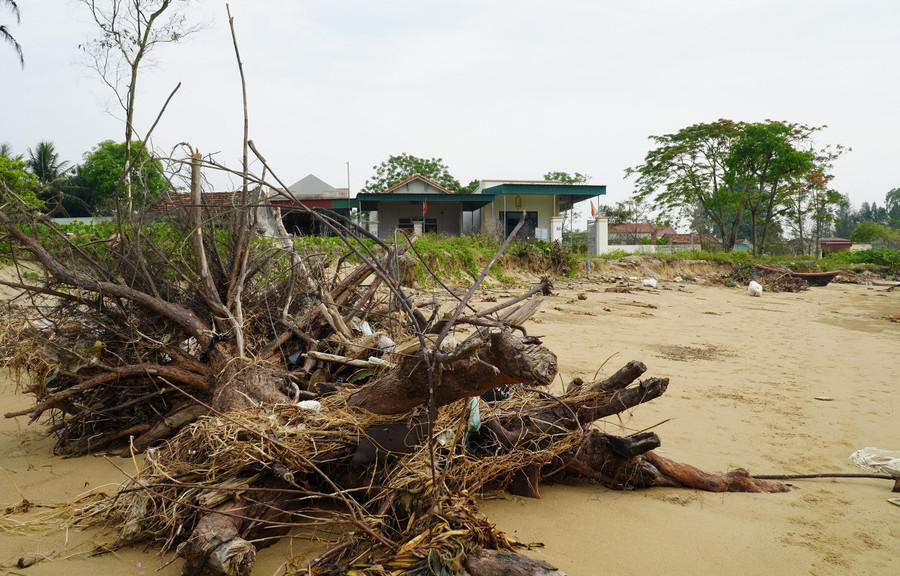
{"x":745,"y":373}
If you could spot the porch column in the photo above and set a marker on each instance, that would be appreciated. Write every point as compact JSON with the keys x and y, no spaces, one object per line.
{"x":372,"y":224}
{"x":556,"y":231}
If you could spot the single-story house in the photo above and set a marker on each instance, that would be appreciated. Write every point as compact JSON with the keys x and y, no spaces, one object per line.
{"x":420,"y":204}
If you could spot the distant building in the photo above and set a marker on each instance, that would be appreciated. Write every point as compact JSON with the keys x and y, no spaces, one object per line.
{"x":829,"y":245}
{"x":690,"y":238}
{"x":314,"y":194}
{"x":634,"y":232}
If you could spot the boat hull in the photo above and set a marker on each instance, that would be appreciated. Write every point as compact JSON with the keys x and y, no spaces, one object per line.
{"x":812,"y":278}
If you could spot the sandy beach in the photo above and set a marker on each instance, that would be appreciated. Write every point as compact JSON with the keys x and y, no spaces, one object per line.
{"x":745,"y":376}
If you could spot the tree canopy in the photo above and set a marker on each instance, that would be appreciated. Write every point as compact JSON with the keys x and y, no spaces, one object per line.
{"x":566,"y":178}
{"x":737,"y":170}
{"x":16,"y":179}
{"x":43,"y":161}
{"x":868,"y":231}
{"x":396,"y":169}
{"x":103,"y":168}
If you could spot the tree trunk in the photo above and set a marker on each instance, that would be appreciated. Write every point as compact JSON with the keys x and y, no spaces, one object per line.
{"x":481,"y":562}
{"x":486,"y":360}
{"x":219,"y":542}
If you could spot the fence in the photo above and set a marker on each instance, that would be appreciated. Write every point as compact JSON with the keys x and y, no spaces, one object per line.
{"x":651,"y":248}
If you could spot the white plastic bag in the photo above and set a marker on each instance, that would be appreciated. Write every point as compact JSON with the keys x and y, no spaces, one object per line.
{"x":878,"y":460}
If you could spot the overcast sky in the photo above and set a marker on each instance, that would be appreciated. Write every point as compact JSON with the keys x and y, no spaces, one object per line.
{"x":498,"y":89}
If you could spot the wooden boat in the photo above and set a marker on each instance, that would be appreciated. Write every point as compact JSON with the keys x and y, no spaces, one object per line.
{"x":812,"y":278}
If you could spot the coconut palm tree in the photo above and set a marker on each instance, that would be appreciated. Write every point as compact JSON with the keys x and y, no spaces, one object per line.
{"x":5,"y":34}
{"x":43,"y":161}
{"x":6,"y":151}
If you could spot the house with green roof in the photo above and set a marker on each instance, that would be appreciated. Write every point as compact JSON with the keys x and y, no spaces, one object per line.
{"x":419,"y":204}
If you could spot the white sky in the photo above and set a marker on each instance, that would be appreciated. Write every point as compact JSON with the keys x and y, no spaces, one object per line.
{"x":498,"y":89}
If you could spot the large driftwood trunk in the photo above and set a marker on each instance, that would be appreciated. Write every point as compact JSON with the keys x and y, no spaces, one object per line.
{"x":622,"y":463}
{"x":487,"y":360}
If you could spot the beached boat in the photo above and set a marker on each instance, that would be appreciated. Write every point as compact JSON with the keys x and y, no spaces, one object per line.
{"x":812,"y":278}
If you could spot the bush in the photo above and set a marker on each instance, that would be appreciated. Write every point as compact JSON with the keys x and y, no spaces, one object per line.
{"x":874,"y":256}
{"x":868,"y":231}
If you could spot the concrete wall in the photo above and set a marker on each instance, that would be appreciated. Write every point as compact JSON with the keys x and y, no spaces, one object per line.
{"x":415,"y":187}
{"x":649,"y":248}
{"x":448,"y":216}
{"x":543,"y":204}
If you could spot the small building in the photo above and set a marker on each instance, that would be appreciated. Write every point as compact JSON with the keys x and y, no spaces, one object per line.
{"x":420,"y":204}
{"x":829,"y":245}
{"x":417,"y":205}
{"x":742,"y":245}
{"x":315,"y":194}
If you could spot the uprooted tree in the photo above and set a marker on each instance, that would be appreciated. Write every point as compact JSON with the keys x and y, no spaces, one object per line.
{"x":195,"y":333}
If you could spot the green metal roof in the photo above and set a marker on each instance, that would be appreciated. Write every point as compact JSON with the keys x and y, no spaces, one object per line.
{"x":568,"y":194}
{"x":586,"y":190}
{"x":469,"y":201}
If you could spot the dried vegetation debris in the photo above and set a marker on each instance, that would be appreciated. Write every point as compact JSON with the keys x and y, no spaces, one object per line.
{"x":770,"y":281}
{"x":275,"y":387}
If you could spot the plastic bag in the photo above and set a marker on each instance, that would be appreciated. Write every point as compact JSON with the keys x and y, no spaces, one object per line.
{"x":878,"y":460}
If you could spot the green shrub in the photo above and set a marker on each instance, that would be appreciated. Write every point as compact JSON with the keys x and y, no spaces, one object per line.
{"x":874,"y":256}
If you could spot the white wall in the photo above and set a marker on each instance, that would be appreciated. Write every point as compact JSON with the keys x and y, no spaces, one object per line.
{"x":649,"y":248}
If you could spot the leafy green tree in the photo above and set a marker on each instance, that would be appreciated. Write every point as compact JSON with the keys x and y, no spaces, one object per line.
{"x":69,"y":196}
{"x":620,"y":213}
{"x":104,"y":166}
{"x":396,"y":169}
{"x":736,"y":171}
{"x":892,"y":202}
{"x":44,"y":162}
{"x":873,"y":212}
{"x":16,"y":179}
{"x":824,"y":205}
{"x":690,"y":168}
{"x":869,"y":231}
{"x":764,"y":159}
{"x":62,"y":188}
{"x":6,"y":35}
{"x":892,"y":199}
{"x":566,"y":178}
